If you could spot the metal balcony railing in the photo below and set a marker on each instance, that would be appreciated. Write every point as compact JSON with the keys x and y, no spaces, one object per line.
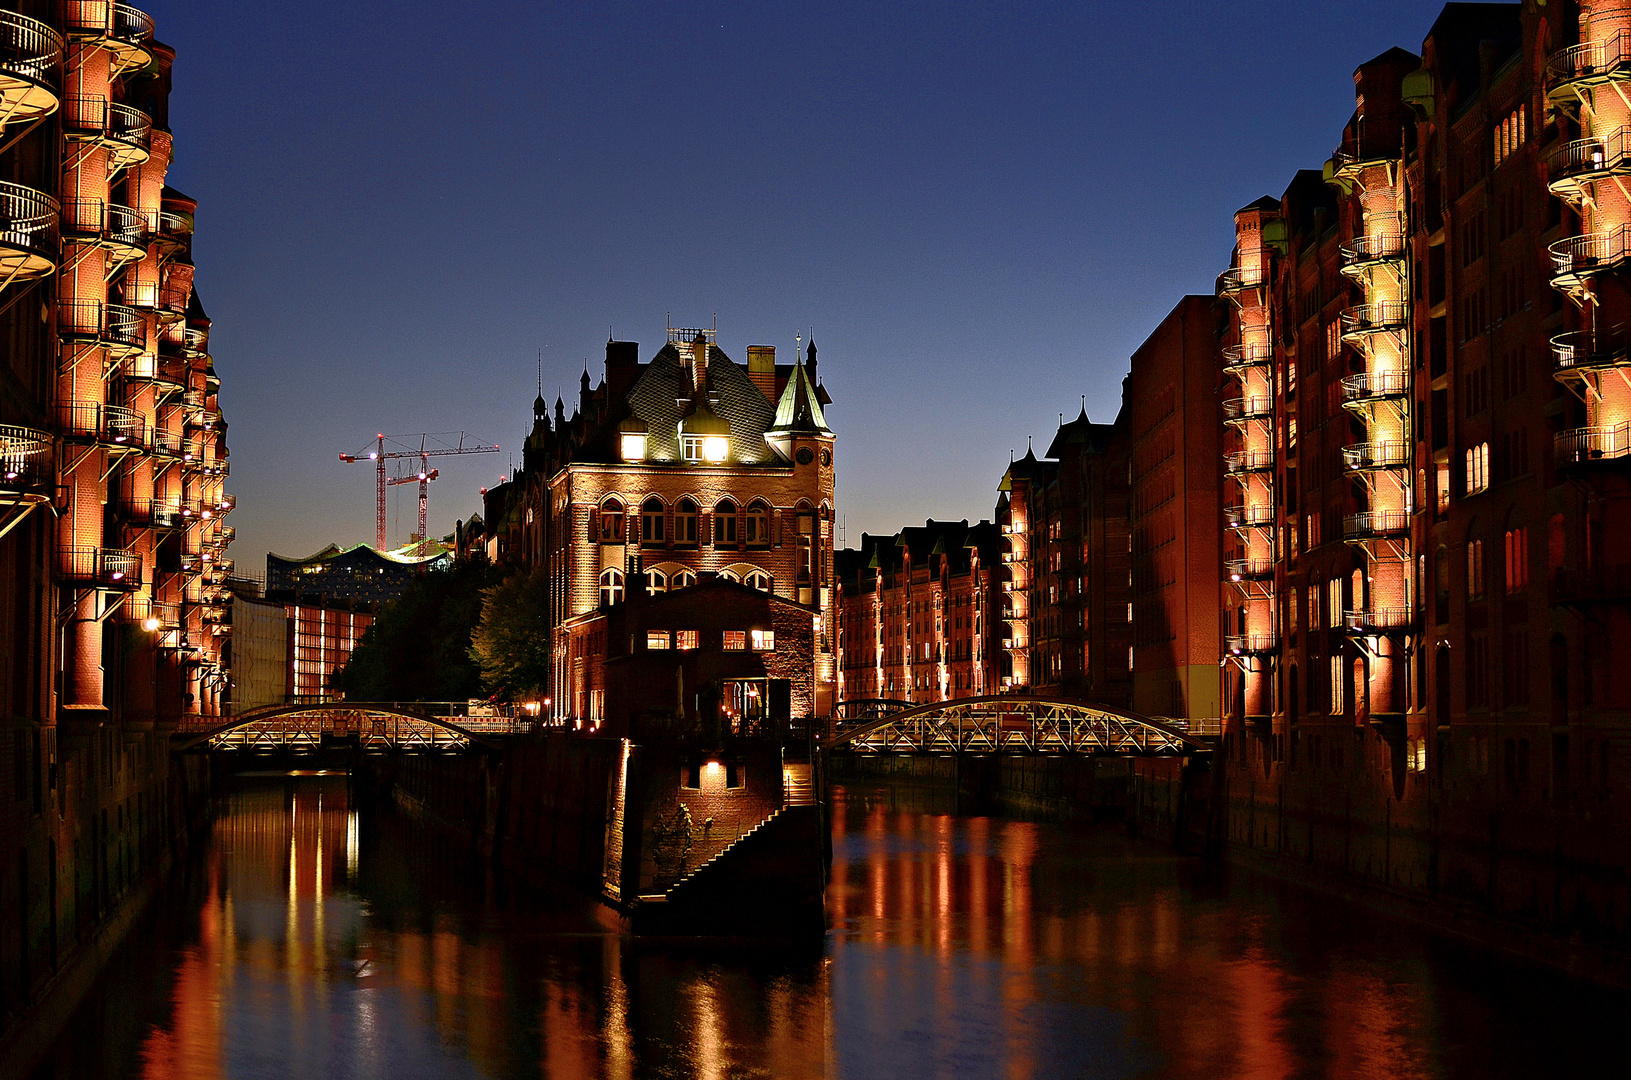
{"x":227,"y":504}
{"x":1370,"y":249}
{"x":123,"y":130}
{"x":1376,"y":620}
{"x":1248,"y":408}
{"x":28,"y":229}
{"x":1581,"y":349}
{"x":127,"y":228}
{"x":131,"y":24}
{"x":1236,"y":279}
{"x":113,"y":426}
{"x":1240,"y":357}
{"x":1575,"y":258}
{"x":1248,"y":517}
{"x":1603,"y":153}
{"x":1244,"y":461}
{"x":160,"y":513}
{"x":164,"y":444}
{"x":25,"y":459}
{"x":1248,"y":569}
{"x":1375,"y":385}
{"x":1376,"y":455}
{"x":1589,"y":61}
{"x":117,"y":326}
{"x":195,"y":343}
{"x":108,"y":568}
{"x":31,"y":55}
{"x":1369,"y":524}
{"x":1383,"y":317}
{"x":174,"y":233}
{"x":1588,"y":444}
{"x":1250,"y":644}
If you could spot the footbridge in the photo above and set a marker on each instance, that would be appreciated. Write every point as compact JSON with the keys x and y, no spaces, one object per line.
{"x":370,"y":726}
{"x":1005,"y":723}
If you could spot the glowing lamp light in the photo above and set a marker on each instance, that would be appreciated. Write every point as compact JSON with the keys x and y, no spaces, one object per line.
{"x":714,"y":448}
{"x":11,"y":476}
{"x":117,"y":575}
{"x":373,"y":456}
{"x":150,"y":624}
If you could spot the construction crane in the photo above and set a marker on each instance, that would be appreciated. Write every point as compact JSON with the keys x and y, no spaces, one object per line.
{"x":431,"y":444}
{"x":424,"y":478}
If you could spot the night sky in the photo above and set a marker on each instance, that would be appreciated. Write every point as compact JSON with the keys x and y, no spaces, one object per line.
{"x":980,"y":208}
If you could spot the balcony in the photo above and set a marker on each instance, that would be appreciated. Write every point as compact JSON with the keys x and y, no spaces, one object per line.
{"x":205,"y":418}
{"x":119,"y":129}
{"x":227,"y":504}
{"x":1582,"y":446}
{"x":1364,"y":252}
{"x":1367,"y":457}
{"x":30,"y":68}
{"x":1241,"y":462}
{"x":25,"y":465}
{"x":102,"y":568}
{"x":1577,"y":258}
{"x":174,"y":234}
{"x":1386,"y":317}
{"x":1249,"y":517}
{"x":1240,"y":358}
{"x":1235,"y":280}
{"x":1577,"y":67}
{"x":228,"y":534}
{"x":120,"y":230}
{"x":1375,"y":525}
{"x":119,"y":28}
{"x":1248,"y":569}
{"x":1581,"y":351}
{"x":153,"y":512}
{"x":1376,"y":620}
{"x":120,"y":329}
{"x":1368,"y":387}
{"x":1248,"y":408}
{"x":113,"y":427}
{"x":169,"y":376}
{"x":195,"y":343}
{"x":191,"y":564}
{"x":1251,"y":644}
{"x":1575,"y":165}
{"x":164,"y":444}
{"x":28,"y":232}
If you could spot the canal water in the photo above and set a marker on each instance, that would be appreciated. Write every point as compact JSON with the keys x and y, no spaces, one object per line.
{"x":313,"y":941}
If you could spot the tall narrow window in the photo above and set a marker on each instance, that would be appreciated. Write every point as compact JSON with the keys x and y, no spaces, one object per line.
{"x":611,"y":522}
{"x":1477,"y":468}
{"x":685,"y":523}
{"x":651,"y":522}
{"x":1475,"y":570}
{"x":611,"y":587}
{"x":725,"y":524}
{"x":757,"y":525}
{"x":1517,"y":559}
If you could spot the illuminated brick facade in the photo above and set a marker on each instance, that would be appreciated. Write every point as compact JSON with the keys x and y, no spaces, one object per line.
{"x":672,"y":471}
{"x":113,"y":461}
{"x":916,"y":614}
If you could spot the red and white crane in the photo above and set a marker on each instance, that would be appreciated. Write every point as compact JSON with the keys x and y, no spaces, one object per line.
{"x":431,"y":444}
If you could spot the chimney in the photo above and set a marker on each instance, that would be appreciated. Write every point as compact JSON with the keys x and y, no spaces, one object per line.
{"x":762,"y":370}
{"x":699,"y":361}
{"x":622,"y":367}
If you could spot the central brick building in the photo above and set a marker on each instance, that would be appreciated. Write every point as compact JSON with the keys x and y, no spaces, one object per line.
{"x":686,"y":470}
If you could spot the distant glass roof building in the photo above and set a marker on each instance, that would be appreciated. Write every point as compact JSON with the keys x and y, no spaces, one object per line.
{"x":359,"y":574}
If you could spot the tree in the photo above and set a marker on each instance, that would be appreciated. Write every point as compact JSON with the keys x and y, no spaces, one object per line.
{"x":418,"y":648}
{"x":511,"y":642}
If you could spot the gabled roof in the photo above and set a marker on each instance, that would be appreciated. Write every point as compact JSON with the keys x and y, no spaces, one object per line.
{"x":799,"y":410}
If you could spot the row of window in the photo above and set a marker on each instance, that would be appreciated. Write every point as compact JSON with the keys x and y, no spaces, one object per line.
{"x":731,"y":641}
{"x":652,"y":523}
{"x":613,"y":584}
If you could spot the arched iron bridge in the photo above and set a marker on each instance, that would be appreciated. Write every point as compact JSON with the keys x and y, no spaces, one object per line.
{"x":370,"y":726}
{"x":1013,"y":724}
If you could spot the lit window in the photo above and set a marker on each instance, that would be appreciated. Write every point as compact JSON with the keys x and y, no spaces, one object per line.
{"x":656,"y":582}
{"x":682,"y":579}
{"x":657,"y":639}
{"x":685,"y":639}
{"x":764,"y":640}
{"x":1477,"y":468}
{"x":1475,"y":570}
{"x":634,"y":447}
{"x":736,"y":640}
{"x":611,"y":588}
{"x":1517,"y":559}
{"x":1338,"y":677}
{"x":715,"y":448}
{"x":691,"y":447}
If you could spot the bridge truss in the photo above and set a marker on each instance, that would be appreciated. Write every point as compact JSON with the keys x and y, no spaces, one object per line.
{"x":308,"y":728}
{"x":1014,"y":724}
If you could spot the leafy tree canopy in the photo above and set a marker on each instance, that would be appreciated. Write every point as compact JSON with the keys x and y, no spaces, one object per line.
{"x":511,"y":642}
{"x":418,"y":648}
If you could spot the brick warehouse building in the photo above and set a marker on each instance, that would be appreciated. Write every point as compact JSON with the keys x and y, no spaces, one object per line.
{"x":1428,"y":413}
{"x":113,"y":459}
{"x":685,"y":469}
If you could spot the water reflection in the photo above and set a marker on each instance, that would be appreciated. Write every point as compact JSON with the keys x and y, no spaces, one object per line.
{"x":314,"y":941}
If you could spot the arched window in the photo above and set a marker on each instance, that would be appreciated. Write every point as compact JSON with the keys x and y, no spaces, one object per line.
{"x":611,"y":587}
{"x":651,"y":522}
{"x":682,"y":579}
{"x":758,"y":579}
{"x":757,"y":525}
{"x":656,"y":582}
{"x":611,"y":522}
{"x":685,"y":523}
{"x":725,"y":524}
{"x":730,"y":575}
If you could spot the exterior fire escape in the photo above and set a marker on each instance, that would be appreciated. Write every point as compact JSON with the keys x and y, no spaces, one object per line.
{"x":1380,"y":620}
{"x":1591,"y":83}
{"x":1252,"y":638}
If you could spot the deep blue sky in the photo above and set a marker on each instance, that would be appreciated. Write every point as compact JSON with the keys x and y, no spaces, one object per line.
{"x":982,"y":209}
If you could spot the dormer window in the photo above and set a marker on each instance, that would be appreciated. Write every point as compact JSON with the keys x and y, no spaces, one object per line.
{"x":633,"y":446}
{"x":691,"y":447}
